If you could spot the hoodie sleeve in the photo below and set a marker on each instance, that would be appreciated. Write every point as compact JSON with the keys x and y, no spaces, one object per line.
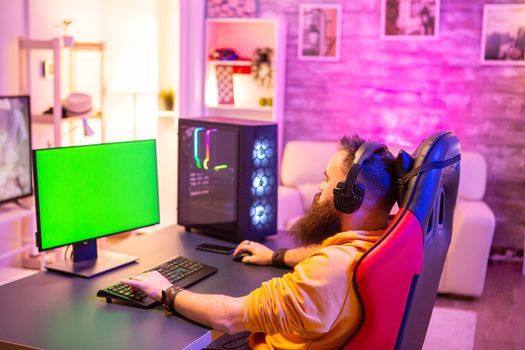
{"x":307,"y":300}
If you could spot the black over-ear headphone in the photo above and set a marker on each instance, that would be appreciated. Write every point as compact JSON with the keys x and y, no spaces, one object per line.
{"x":349,"y":195}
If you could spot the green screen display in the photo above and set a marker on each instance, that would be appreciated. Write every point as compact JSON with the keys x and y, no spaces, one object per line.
{"x":92,"y":191}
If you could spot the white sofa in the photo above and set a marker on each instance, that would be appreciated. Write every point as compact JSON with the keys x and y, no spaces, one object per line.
{"x":302,"y":167}
{"x":472,"y":233}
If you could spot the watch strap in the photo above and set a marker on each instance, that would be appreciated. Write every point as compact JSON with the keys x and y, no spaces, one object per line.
{"x":278,"y":258}
{"x":168,"y":298}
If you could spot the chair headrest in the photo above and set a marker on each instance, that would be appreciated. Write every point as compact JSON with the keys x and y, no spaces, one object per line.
{"x":404,"y":163}
{"x":419,"y":174}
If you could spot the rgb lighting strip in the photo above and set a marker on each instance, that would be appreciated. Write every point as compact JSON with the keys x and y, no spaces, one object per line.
{"x":208,"y":133}
{"x":196,"y":147}
{"x":198,"y":162}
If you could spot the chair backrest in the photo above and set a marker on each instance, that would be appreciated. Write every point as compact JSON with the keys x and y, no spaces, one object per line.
{"x":396,"y":280}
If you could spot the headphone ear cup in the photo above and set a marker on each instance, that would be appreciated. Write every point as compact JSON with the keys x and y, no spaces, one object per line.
{"x":348,"y":203}
{"x":358,"y":193}
{"x":343,"y":201}
{"x":339,"y":196}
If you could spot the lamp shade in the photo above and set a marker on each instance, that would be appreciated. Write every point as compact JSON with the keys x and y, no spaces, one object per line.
{"x":135,"y":71}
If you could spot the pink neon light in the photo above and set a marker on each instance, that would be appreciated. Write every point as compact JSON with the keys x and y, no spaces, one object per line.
{"x":208,"y":132}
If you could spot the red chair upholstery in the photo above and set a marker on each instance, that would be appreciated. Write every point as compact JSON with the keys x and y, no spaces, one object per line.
{"x":396,"y":280}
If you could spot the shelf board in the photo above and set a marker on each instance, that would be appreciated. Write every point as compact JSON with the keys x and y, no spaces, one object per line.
{"x":35,"y":44}
{"x":248,"y":20}
{"x":50,"y":119}
{"x":167,"y":114}
{"x":252,"y":109}
{"x":230,"y":63}
{"x":94,"y":46}
{"x":10,"y":212}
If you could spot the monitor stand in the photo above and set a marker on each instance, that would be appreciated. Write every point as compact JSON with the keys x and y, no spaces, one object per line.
{"x":88,"y":262}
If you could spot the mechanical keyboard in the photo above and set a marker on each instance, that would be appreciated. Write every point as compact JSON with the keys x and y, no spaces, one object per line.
{"x":179,"y":270}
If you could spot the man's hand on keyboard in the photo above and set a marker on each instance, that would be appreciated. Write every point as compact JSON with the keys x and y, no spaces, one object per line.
{"x":152,"y":283}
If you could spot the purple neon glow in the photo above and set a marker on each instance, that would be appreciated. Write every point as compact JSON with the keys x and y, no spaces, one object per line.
{"x":207,"y":159}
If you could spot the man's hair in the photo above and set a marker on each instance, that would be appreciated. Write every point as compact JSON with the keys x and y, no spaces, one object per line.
{"x":377,"y":173}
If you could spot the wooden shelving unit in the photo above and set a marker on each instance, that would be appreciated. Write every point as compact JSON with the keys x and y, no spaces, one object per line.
{"x":25,"y":219}
{"x":245,"y":35}
{"x":55,"y":45}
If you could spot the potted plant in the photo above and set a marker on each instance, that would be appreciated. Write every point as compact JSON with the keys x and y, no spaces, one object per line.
{"x":262,"y":70}
{"x":67,"y":39}
{"x":168,"y":99}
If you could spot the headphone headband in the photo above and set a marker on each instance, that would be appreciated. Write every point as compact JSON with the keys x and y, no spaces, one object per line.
{"x":348,"y":195}
{"x":363,"y":153}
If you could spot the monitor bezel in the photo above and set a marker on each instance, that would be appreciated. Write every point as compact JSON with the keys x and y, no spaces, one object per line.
{"x":38,"y":233}
{"x":31,"y":189}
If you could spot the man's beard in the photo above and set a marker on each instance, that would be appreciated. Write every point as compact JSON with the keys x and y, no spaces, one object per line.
{"x":318,"y":223}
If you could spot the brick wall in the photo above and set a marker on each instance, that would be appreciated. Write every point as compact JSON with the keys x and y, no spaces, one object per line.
{"x":405,"y":90}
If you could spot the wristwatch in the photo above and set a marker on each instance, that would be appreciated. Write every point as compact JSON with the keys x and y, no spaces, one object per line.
{"x":168,"y":298}
{"x":278,"y":258}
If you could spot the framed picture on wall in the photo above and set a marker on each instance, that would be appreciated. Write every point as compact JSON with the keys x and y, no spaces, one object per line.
{"x":503,"y":35}
{"x":410,"y":19}
{"x":319,"y":32}
{"x":232,"y":9}
{"x":48,"y":69}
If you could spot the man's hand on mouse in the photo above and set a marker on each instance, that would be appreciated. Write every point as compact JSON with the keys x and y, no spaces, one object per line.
{"x":260,"y":255}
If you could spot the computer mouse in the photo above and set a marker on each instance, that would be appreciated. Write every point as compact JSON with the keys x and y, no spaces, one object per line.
{"x":241,"y":255}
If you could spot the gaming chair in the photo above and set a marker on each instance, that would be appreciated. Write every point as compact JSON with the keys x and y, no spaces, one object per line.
{"x":396,"y":280}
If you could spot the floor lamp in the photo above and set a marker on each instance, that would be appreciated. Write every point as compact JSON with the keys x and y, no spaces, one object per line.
{"x":135,"y":72}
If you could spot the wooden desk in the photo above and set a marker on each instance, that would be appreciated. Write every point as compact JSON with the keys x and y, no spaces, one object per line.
{"x":55,"y":311}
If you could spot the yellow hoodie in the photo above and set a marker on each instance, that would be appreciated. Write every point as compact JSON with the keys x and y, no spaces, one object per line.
{"x":315,"y":306}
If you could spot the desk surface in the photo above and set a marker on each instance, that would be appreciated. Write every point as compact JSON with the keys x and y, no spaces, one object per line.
{"x":55,"y":311}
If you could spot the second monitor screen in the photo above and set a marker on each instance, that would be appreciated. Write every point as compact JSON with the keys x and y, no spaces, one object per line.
{"x":207,"y":175}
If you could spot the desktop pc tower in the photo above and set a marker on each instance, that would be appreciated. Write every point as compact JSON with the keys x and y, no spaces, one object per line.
{"x":227,"y":180}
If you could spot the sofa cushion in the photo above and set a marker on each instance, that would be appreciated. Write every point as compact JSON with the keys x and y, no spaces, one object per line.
{"x":308,"y":192}
{"x":290,"y":205}
{"x":304,"y":161}
{"x":473,"y":176}
{"x":290,"y":222}
{"x":466,"y":264}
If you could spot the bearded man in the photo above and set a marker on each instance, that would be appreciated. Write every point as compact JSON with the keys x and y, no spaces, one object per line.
{"x":314,"y":306}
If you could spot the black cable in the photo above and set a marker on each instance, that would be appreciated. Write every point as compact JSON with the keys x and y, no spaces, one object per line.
{"x":229,"y":344}
{"x":429,"y":166}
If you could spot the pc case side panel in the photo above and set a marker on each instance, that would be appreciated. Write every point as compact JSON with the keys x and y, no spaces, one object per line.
{"x":207,"y":181}
{"x":257,"y":210}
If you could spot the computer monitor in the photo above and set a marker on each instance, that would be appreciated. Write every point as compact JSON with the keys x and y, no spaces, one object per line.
{"x":15,"y":148}
{"x":86,"y":192}
{"x":227,"y":177}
